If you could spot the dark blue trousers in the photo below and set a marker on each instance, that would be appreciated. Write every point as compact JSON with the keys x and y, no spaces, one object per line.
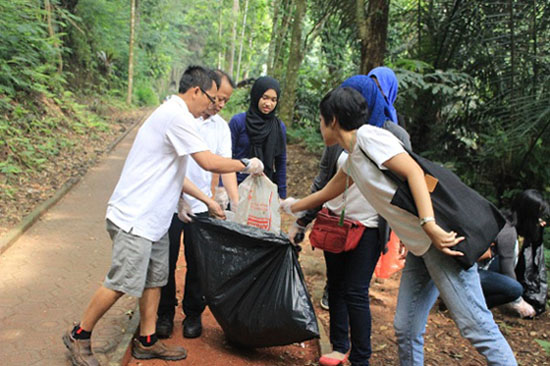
{"x":349,"y":275}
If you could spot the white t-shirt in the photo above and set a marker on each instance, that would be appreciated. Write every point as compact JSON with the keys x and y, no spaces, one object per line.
{"x":217,"y":135}
{"x":382,"y":145}
{"x":150,"y":183}
{"x":357,"y":207}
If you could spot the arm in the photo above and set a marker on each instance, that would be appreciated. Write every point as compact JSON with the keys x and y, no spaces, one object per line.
{"x":280,"y":166}
{"x":230,"y":183}
{"x":214,"y":183}
{"x":216,"y":164}
{"x":334,"y":187}
{"x":505,"y":248}
{"x":213,"y":207}
{"x":403,"y":165}
{"x":327,"y":169}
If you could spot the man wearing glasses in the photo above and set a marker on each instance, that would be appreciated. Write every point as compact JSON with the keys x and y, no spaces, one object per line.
{"x":139,"y":214}
{"x":215,"y":131}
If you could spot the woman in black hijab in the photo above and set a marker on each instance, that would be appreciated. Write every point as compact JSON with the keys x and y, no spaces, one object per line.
{"x":259,"y":133}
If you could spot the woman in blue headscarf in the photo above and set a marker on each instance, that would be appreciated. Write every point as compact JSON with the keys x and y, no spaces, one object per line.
{"x":387,"y":82}
{"x":379,"y":109}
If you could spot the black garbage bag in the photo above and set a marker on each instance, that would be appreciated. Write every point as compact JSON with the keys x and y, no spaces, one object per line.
{"x":253,"y":284}
{"x":531,"y":273}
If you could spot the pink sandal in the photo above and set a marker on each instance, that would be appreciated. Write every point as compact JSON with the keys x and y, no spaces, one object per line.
{"x":329,"y":361}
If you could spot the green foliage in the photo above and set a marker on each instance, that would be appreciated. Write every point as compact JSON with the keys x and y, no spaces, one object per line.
{"x":27,"y":53}
{"x":544,"y":344}
{"x":311,"y":139}
{"x":145,"y":95}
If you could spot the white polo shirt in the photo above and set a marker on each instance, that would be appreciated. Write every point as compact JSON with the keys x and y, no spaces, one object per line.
{"x":151,"y":181}
{"x":217,"y":135}
{"x":381,"y":145}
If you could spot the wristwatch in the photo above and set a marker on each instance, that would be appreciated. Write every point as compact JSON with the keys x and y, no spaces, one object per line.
{"x":425,"y":220}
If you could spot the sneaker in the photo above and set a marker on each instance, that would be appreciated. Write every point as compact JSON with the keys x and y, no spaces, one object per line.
{"x":159,"y":350}
{"x":165,"y":325}
{"x":80,"y":350}
{"x":324,"y":299}
{"x":192,"y":326}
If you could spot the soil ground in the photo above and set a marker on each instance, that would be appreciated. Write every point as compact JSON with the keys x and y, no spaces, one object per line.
{"x":443,"y":343}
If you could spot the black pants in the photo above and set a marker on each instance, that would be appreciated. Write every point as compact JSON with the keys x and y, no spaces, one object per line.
{"x":349,"y":275}
{"x":193,"y":303}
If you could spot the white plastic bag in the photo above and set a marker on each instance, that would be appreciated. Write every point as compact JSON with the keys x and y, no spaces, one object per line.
{"x":259,"y":204}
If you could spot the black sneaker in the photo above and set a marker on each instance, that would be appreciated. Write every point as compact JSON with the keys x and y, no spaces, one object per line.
{"x":165,"y":325}
{"x":192,"y":326}
{"x":324,"y":299}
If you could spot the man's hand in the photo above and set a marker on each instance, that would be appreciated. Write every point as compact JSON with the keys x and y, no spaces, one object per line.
{"x":215,"y":210}
{"x":184,"y":211}
{"x":253,"y":166}
{"x":442,"y":239}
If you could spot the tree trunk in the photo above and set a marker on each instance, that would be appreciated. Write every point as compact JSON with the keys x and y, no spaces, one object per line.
{"x":242,"y":41}
{"x":131,"y":51}
{"x":48,"y":8}
{"x":296,"y":56}
{"x":235,"y":14}
{"x":373,"y":30}
{"x":274,"y":35}
{"x":220,"y":41}
{"x":278,"y":60}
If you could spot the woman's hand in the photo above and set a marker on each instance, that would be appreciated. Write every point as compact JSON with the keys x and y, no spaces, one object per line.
{"x":442,"y":239}
{"x":286,"y":206}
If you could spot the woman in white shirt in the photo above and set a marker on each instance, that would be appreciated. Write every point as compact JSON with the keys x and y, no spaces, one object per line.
{"x":430,"y":269}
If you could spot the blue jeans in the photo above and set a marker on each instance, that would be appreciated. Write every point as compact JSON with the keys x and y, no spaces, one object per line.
{"x":422,"y":280}
{"x":498,"y":288}
{"x":349,"y":275}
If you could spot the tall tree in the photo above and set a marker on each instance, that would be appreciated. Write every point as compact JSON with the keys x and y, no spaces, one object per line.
{"x":373,"y":32}
{"x":235,"y":18}
{"x":243,"y":30}
{"x":131,"y":51}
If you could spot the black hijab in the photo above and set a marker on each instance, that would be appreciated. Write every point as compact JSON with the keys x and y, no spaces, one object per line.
{"x":264,"y":130}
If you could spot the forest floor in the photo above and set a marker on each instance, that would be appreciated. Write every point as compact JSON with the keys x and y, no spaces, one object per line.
{"x":443,"y":343}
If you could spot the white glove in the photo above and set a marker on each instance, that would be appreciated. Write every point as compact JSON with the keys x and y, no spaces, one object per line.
{"x":253,"y":166}
{"x":184,"y":210}
{"x":286,"y":207}
{"x":295,"y":229}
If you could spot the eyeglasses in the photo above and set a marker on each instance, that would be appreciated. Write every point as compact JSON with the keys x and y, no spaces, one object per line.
{"x":210,"y":98}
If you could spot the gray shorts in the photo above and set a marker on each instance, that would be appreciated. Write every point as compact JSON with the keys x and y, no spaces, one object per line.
{"x":136,"y":263}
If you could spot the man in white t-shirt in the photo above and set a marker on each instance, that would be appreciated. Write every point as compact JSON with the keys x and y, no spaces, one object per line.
{"x":139,"y":213}
{"x":217,"y":136}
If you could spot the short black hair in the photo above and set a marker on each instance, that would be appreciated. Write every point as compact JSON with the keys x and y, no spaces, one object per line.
{"x":347,"y":105}
{"x":196,"y":76}
{"x":222,"y":74}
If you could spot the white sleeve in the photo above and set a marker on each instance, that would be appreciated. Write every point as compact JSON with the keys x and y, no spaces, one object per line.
{"x":379,"y":144}
{"x":184,"y":136}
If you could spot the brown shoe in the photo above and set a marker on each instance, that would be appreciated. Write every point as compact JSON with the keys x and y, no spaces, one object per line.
{"x":158,"y":350}
{"x":80,"y":350}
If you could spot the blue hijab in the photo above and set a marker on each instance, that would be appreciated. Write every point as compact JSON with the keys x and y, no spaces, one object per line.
{"x":379,"y":109}
{"x":388,"y":83}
